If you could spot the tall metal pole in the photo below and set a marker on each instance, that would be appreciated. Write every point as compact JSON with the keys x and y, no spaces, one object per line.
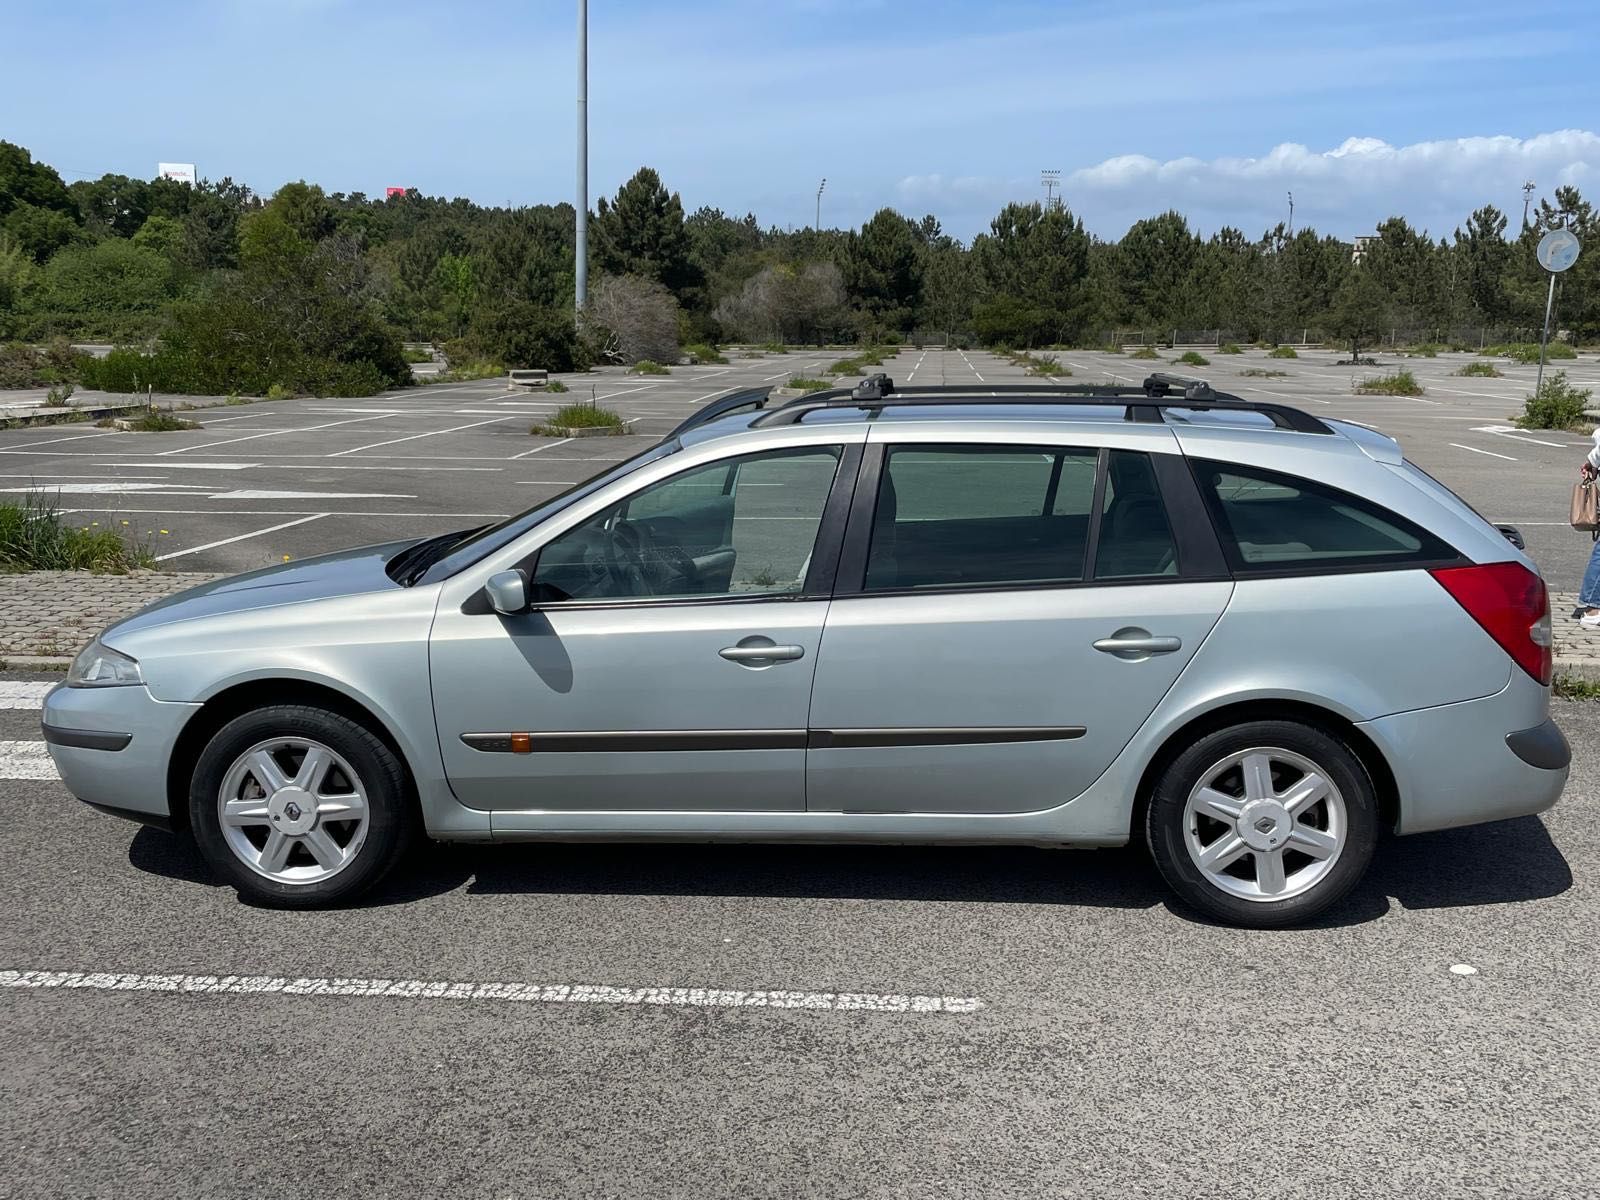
{"x":1544,"y":337}
{"x":820,"y":186}
{"x":581,"y":269}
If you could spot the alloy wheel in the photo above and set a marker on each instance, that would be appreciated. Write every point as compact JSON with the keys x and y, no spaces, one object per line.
{"x":293,"y":810}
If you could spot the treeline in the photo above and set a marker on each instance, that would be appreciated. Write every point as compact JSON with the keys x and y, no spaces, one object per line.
{"x":219,"y":289}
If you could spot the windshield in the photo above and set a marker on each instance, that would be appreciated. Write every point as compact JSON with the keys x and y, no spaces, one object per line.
{"x":491,"y":538}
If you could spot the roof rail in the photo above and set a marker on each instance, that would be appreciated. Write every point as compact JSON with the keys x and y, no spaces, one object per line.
{"x":1146,"y":403}
{"x":753,"y":398}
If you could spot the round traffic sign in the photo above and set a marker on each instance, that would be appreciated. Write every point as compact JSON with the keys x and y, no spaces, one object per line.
{"x":1558,"y":250}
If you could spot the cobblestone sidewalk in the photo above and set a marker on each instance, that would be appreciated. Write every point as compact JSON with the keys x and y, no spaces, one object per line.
{"x":51,"y":615}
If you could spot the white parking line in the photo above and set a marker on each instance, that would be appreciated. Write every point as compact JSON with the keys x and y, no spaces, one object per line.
{"x":16,"y":693}
{"x":26,"y":760}
{"x":250,"y":437}
{"x":241,"y":537}
{"x":415,"y":436}
{"x":525,"y":993}
{"x":1475,"y":450}
{"x":537,"y":449}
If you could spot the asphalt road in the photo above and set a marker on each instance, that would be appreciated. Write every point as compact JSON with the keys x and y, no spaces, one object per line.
{"x":300,"y":477}
{"x":1118,"y":1046}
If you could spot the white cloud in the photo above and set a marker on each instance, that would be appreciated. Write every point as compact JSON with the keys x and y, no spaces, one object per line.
{"x":1343,"y":191}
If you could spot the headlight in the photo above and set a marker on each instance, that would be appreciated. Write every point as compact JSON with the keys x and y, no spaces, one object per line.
{"x":101,"y":666}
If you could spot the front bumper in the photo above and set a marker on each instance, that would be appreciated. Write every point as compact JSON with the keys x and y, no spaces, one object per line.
{"x":1481,"y":760}
{"x":82,"y":728}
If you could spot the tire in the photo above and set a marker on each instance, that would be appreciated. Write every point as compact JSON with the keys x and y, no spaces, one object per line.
{"x":333,"y":816}
{"x":1218,"y":857}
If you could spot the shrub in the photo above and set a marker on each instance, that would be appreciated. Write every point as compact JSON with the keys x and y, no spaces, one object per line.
{"x":466,"y":371}
{"x":1556,"y":405}
{"x":647,"y":366}
{"x":1401,"y":383}
{"x":520,"y":334}
{"x":159,"y":420}
{"x":1194,"y":358}
{"x":416,"y":356}
{"x":1282,"y":352}
{"x":1426,"y":350}
{"x":633,"y":318}
{"x":1481,"y":370}
{"x":1145,"y":353}
{"x":61,"y":394}
{"x":773,"y":347}
{"x":703,"y":353}
{"x":578,"y":416}
{"x":278,"y":392}
{"x":555,"y":385}
{"x":847,"y":366}
{"x":24,"y":366}
{"x":802,"y":383}
{"x":1229,"y":348}
{"x":1528,"y":352}
{"x":33,"y":537}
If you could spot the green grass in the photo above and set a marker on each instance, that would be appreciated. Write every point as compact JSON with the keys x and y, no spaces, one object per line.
{"x":646,"y":366}
{"x":703,"y":353}
{"x":555,"y":385}
{"x":1282,"y":352}
{"x":416,"y":356}
{"x":1401,"y":383}
{"x":1425,"y":350}
{"x":1570,"y":687}
{"x":1556,"y":405}
{"x":1145,"y":353}
{"x":278,"y":392}
{"x":1193,"y":358}
{"x":1043,"y":365}
{"x":773,"y":347}
{"x":1263,"y":373}
{"x":804,"y":384}
{"x":33,"y":537}
{"x":465,"y":372}
{"x":578,"y":416}
{"x":1481,"y":370}
{"x":1528,"y":352}
{"x":1229,"y":348}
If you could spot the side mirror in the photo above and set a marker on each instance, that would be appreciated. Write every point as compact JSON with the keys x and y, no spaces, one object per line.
{"x":507,"y":592}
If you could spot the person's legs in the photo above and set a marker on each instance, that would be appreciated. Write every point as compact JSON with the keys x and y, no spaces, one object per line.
{"x":1589,"y":595}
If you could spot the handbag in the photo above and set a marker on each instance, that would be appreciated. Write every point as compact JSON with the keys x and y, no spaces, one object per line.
{"x":1586,"y":505}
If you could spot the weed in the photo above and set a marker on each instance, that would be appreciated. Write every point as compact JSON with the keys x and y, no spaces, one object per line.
{"x":416,"y":356}
{"x":646,"y":366}
{"x":33,"y":537}
{"x":278,"y":392}
{"x":804,"y":384}
{"x":1145,"y":353}
{"x":1263,"y":373}
{"x":702,"y":353}
{"x":1401,"y":383}
{"x":1556,"y":405}
{"x":234,"y":398}
{"x":1570,"y":687}
{"x":578,"y":416}
{"x":60,"y":395}
{"x":555,"y":385}
{"x":1481,"y":370}
{"x":466,"y":372}
{"x":773,"y":348}
{"x":1282,"y":352}
{"x":1229,"y":348}
{"x":1528,"y":352}
{"x":159,"y":420}
{"x":1193,"y":358}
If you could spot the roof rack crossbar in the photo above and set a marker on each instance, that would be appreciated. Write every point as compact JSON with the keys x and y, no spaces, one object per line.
{"x":754,"y":398}
{"x":1160,"y":391}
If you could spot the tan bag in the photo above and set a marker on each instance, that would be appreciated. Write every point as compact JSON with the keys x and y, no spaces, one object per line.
{"x":1586,"y":505}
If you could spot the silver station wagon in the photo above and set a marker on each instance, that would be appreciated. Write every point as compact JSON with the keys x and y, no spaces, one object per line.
{"x":1253,"y":639}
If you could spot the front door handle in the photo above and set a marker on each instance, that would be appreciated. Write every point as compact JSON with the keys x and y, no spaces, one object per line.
{"x":1134,"y":645}
{"x":761,"y":651}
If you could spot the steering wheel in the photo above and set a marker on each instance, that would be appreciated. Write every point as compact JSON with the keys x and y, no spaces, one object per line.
{"x":623,"y":552}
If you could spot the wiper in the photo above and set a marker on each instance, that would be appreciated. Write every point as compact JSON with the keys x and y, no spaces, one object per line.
{"x":424,"y":554}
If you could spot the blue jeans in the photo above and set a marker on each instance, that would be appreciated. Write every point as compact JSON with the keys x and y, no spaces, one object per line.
{"x":1589,"y":597}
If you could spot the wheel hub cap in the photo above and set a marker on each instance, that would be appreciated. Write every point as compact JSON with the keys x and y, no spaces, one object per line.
{"x":292,"y":811}
{"x":1264,"y":824}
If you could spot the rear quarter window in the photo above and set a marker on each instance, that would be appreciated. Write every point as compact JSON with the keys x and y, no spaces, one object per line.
{"x":1276,"y":523}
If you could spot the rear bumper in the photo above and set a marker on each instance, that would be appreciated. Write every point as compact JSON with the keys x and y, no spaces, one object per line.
{"x":112,"y":746}
{"x":1482,"y":760}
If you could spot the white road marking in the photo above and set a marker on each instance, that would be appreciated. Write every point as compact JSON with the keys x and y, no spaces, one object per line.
{"x":318,"y":466}
{"x":250,"y":437}
{"x":267,"y":494}
{"x":285,"y":512}
{"x":188,"y":465}
{"x":77,"y":437}
{"x":537,"y":449}
{"x":26,"y":760}
{"x":240,"y":537}
{"x":1463,"y":969}
{"x":18,"y":693}
{"x":112,"y":489}
{"x":413,"y":437}
{"x":534,"y":993}
{"x":1475,"y":450}
{"x":1504,"y":431}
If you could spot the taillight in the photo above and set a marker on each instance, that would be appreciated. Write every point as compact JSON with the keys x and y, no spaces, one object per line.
{"x":1511,"y":604}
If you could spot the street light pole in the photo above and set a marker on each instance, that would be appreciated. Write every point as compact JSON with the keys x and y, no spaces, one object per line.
{"x":820,"y":186}
{"x":581,"y":265}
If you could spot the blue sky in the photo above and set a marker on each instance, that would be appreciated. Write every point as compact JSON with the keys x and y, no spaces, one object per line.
{"x":1218,"y":107}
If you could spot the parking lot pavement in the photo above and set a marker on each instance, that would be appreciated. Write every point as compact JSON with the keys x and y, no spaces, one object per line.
{"x":785,"y":1020}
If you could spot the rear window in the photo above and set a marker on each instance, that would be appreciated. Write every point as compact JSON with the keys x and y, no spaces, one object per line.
{"x":1272,"y":522}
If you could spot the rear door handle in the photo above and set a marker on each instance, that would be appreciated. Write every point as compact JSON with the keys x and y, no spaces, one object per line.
{"x":1135,"y":644}
{"x":762,"y":654}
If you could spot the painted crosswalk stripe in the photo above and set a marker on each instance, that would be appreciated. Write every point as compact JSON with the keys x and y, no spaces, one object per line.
{"x":23,"y":693}
{"x":26,"y":760}
{"x":523,"y":993}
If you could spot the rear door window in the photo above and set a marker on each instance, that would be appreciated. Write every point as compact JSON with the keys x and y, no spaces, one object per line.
{"x":1271,"y":522}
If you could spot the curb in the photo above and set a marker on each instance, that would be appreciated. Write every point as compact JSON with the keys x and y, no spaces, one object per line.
{"x":35,"y":662}
{"x":1586,"y":670}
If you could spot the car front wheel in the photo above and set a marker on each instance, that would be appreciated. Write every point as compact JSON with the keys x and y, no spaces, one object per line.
{"x":1265,"y":824}
{"x":299,"y":807}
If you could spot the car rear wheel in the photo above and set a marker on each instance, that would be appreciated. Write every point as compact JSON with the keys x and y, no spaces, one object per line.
{"x":299,"y":807}
{"x":1264,"y":824}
